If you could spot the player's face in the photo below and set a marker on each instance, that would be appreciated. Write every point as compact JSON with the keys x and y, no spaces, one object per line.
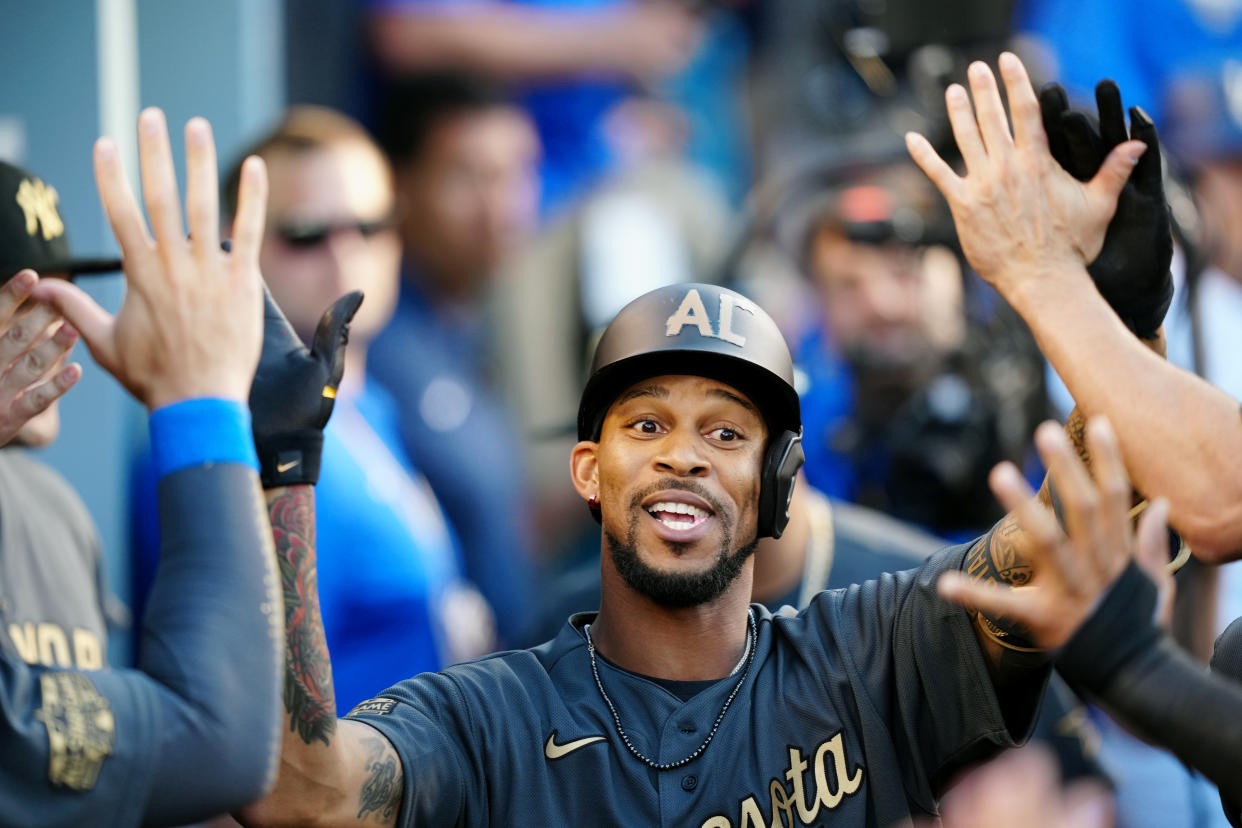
{"x":678,"y":466}
{"x":328,"y":233}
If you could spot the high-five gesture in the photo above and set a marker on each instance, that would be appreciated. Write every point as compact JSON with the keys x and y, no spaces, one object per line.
{"x":1071,"y":571}
{"x":33,"y":344}
{"x":1017,"y":211}
{"x":191,"y":322}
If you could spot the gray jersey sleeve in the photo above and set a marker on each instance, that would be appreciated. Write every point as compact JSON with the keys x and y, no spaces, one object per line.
{"x":917,"y":670}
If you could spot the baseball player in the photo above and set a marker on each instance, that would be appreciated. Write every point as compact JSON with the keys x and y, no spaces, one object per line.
{"x":194,"y":731}
{"x":680,"y":703}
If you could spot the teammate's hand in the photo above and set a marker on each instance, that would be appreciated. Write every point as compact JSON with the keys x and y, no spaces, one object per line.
{"x":1022,"y":788}
{"x":1019,"y":215}
{"x":294,"y":391}
{"x":34,"y":340}
{"x":1132,"y":270}
{"x":1071,"y":573}
{"x":190,"y":324}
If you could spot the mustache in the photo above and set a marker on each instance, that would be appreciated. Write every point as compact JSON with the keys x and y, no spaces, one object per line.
{"x":691,"y":486}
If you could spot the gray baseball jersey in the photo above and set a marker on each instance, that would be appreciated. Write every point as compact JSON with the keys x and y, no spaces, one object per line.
{"x":51,"y":598}
{"x":853,"y":712}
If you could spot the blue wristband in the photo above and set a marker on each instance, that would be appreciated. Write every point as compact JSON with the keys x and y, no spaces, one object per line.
{"x":203,"y":430}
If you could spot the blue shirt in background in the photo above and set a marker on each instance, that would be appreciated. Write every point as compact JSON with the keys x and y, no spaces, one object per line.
{"x":459,"y":434}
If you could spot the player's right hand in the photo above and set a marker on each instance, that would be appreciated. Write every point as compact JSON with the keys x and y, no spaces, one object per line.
{"x":190,"y":324}
{"x":34,"y":341}
{"x":295,"y":389}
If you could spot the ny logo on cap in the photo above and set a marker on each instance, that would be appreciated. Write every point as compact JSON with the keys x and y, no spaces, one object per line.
{"x":691,"y":311}
{"x":38,"y":202}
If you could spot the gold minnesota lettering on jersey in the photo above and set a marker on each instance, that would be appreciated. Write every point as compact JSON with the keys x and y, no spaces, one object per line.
{"x":38,"y":202}
{"x":693,"y":312}
{"x":832,"y":782}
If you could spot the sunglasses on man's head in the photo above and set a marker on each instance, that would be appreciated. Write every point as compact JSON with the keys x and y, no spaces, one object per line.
{"x":307,"y":234}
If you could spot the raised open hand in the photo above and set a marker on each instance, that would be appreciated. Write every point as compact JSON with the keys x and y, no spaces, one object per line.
{"x":1019,"y":215}
{"x":1071,"y":573}
{"x":34,"y":340}
{"x":191,"y":321}
{"x":1132,"y":269}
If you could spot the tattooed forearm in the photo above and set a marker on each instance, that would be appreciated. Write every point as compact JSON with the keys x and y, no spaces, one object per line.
{"x":1001,"y":555}
{"x":381,"y":792}
{"x":309,"y":697}
{"x":1076,"y":428}
{"x":1005,"y":545}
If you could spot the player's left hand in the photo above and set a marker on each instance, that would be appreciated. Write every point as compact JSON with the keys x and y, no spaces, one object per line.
{"x":1132,"y":270}
{"x":294,"y":391}
{"x":1071,"y":573}
{"x":1019,"y":215}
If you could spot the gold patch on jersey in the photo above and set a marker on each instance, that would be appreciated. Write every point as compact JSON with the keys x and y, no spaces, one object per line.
{"x":81,"y":729}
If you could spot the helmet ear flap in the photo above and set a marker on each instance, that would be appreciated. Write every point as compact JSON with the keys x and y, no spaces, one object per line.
{"x":780,"y":470}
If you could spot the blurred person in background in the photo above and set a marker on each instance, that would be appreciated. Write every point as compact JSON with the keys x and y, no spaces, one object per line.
{"x":914,"y":389}
{"x":390,"y":582}
{"x":576,"y":61}
{"x":464,"y":159}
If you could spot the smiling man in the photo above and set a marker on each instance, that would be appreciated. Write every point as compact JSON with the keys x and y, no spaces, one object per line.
{"x":680,"y":703}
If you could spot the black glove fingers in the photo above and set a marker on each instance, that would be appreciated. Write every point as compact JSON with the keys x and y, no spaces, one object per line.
{"x":1083,"y":146}
{"x":1053,"y":103}
{"x":1112,"y":118}
{"x":332,"y":335}
{"x":289,"y":400}
{"x":1147,"y":174}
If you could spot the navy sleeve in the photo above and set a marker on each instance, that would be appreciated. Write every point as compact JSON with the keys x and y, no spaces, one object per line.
{"x":426,"y":720}
{"x":1146,"y":681}
{"x":196,"y":731}
{"x":917,"y":662}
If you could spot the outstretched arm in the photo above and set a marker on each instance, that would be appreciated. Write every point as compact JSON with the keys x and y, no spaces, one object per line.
{"x":1030,"y":228}
{"x":1092,"y":609}
{"x":332,"y":772}
{"x":194,"y":732}
{"x":637,"y":40}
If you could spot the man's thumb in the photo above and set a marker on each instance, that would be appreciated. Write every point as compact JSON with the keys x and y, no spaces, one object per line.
{"x":1115,"y":171}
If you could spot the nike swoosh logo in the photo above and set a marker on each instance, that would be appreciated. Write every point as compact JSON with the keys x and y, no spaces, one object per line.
{"x":554,"y":751}
{"x":281,"y":468}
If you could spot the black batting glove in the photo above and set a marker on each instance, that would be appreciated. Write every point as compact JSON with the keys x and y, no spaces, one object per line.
{"x":294,"y":390}
{"x":1132,"y":270}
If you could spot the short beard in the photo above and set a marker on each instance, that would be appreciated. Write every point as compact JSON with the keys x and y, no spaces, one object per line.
{"x":677,"y":589}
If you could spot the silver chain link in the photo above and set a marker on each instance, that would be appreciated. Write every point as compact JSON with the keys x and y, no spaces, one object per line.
{"x":752,"y":643}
